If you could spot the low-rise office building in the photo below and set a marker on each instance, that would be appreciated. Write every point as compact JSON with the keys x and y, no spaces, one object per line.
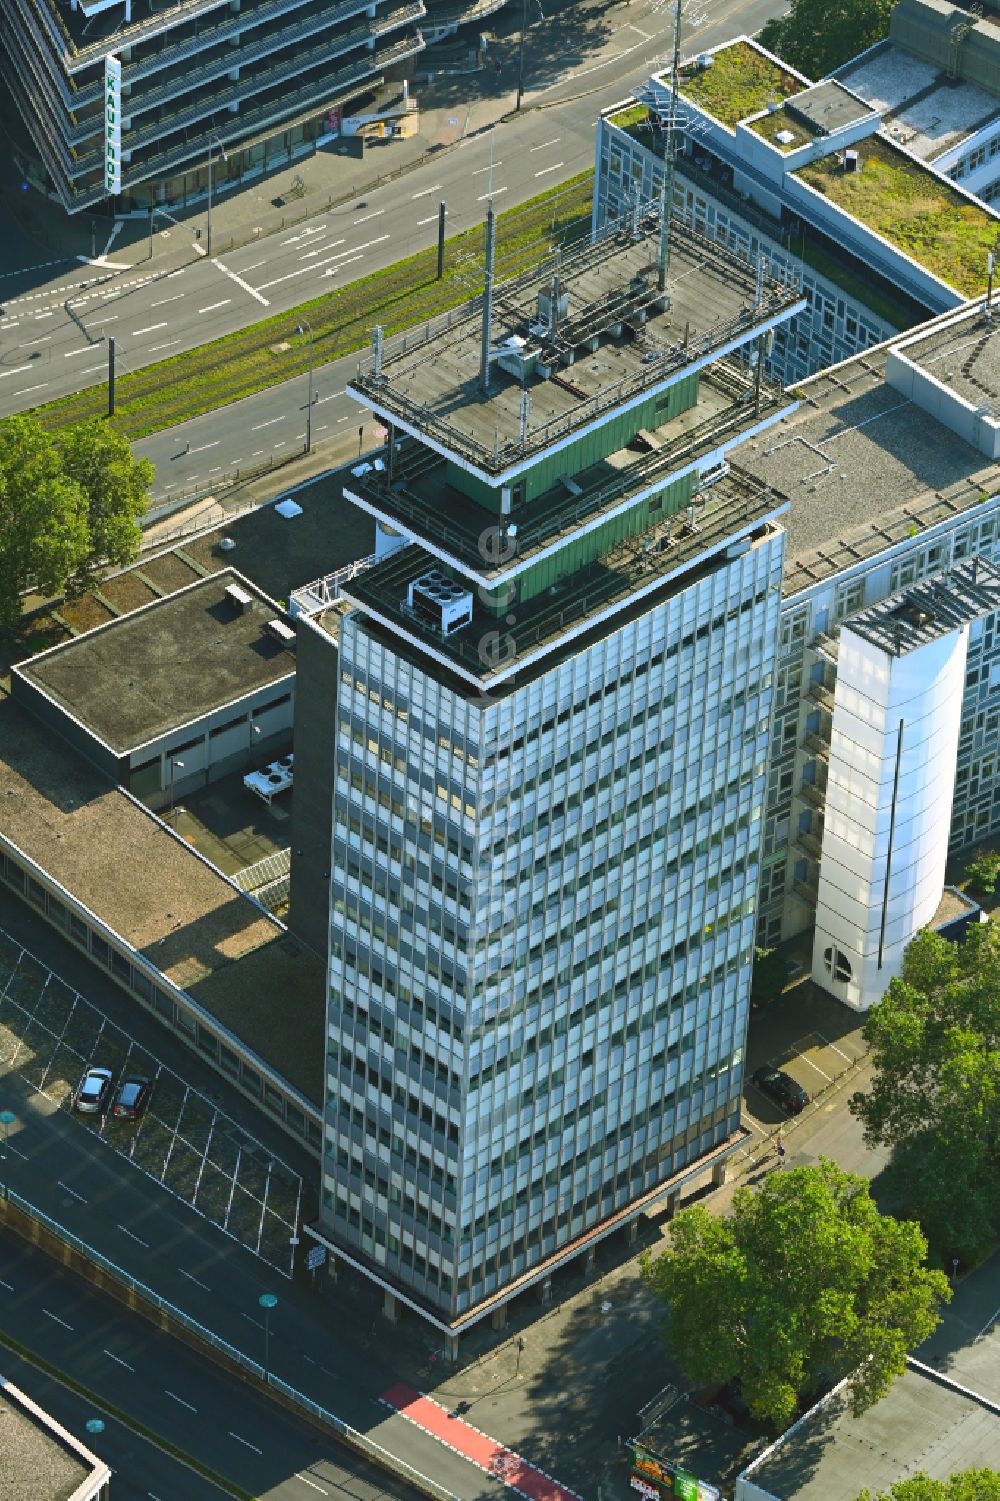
{"x":39,"y":1459}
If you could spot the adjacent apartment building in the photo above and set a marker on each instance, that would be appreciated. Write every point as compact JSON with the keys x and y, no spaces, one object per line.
{"x":552,"y":730}
{"x":243,"y":82}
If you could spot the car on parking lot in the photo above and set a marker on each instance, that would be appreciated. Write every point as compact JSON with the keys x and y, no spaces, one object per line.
{"x":132,"y":1097}
{"x":94,"y":1091}
{"x":782,"y":1088}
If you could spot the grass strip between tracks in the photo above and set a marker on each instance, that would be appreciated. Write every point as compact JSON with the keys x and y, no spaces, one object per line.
{"x":101,"y":1405}
{"x":264,"y":354}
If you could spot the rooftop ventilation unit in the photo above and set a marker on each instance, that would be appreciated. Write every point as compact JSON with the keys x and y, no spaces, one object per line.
{"x":441,"y":602}
{"x":852,"y":162}
{"x":239,"y":598}
{"x":280,"y":632}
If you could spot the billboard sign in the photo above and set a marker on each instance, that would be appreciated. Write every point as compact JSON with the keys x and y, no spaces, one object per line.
{"x":112,"y":125}
{"x":653,"y":1476}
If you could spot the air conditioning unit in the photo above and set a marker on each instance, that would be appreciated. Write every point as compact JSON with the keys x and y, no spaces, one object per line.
{"x":239,"y":598}
{"x":280,"y":632}
{"x":440,"y":601}
{"x":852,"y":162}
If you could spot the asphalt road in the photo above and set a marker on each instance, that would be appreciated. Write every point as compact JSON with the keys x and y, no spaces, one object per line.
{"x":167,"y":1389}
{"x":53,"y":336}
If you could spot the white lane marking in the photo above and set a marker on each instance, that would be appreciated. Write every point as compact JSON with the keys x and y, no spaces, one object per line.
{"x":294,"y":239}
{"x":19,"y":371}
{"x":495,"y":193}
{"x":46,"y":315}
{"x":132,"y":1236}
{"x":480,"y":170}
{"x":43,"y":339}
{"x":72,"y":1191}
{"x":312,"y":1484}
{"x":340,"y":255}
{"x":304,"y":1357}
{"x":256,"y":453}
{"x":138,"y":332}
{"x":155,"y":348}
{"x":269,"y":423}
{"x":245,"y":1441}
{"x":56,"y":1319}
{"x":28,"y":390}
{"x":87,"y":349}
{"x":434,"y":188}
{"x":244,"y":284}
{"x":256,"y":266}
{"x":554,"y":168}
{"x":542,"y":144}
{"x":365,"y":217}
{"x":191,"y":1278}
{"x":90,"y":370}
{"x":213,"y":305}
{"x":181,"y":1401}
{"x":17,"y":1151}
{"x":251,"y":1320}
{"x":198,"y":249}
{"x":330,"y":245}
{"x":432,"y":220}
{"x":113,"y":319}
{"x":10,"y":1289}
{"x":164,"y":300}
{"x":214,"y":444}
{"x":216,"y":470}
{"x":341,"y":419}
{"x":334,"y":269}
{"x":806,"y":1059}
{"x":118,"y":1360}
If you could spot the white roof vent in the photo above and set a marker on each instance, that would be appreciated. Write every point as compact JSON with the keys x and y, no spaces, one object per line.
{"x":280,"y":632}
{"x":440,"y":601}
{"x":239,"y":598}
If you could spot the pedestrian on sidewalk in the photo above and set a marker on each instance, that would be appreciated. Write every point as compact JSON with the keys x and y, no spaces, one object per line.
{"x":780,"y":1148}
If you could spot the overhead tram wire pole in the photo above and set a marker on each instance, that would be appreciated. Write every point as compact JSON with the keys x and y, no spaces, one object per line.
{"x":520,"y":54}
{"x":267,"y":1301}
{"x":7,"y":1119}
{"x":222,"y":151}
{"x":301,"y":327}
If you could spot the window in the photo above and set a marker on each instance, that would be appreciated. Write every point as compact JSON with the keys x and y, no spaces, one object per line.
{"x":837,"y":965}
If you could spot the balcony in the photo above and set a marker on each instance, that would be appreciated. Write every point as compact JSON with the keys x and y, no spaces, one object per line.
{"x":819,"y":747}
{"x":809,"y":843}
{"x":417,"y":498}
{"x":490,"y":648}
{"x":814,"y":794}
{"x":807,"y":889}
{"x":826,"y":647}
{"x":823,"y":696}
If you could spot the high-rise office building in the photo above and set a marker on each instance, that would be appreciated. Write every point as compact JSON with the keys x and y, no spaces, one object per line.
{"x":233,"y":84}
{"x":552,"y":728}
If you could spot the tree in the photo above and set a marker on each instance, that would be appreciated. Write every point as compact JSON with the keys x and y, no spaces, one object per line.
{"x":965,"y":1485}
{"x":804,"y":1281}
{"x":816,"y":36}
{"x":984,"y":870}
{"x":770,"y":972}
{"x":934,"y":1040}
{"x":43,"y":516}
{"x":116,"y":487}
{"x":66,"y":507}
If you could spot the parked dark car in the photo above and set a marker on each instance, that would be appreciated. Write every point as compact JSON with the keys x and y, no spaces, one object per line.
{"x":93,"y":1091}
{"x":783,"y":1089}
{"x":132,"y":1097}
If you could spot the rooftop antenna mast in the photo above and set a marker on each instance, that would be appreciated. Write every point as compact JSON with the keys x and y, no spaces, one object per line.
{"x":670,"y":155}
{"x":484,"y":356}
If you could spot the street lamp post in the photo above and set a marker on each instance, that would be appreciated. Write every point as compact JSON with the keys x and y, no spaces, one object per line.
{"x":267,"y":1301}
{"x":7,"y":1119}
{"x":299,"y":329}
{"x":222,"y":153}
{"x":520,"y":54}
{"x":174,"y":763}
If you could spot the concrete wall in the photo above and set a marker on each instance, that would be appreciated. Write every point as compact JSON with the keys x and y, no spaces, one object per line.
{"x":312,"y":800}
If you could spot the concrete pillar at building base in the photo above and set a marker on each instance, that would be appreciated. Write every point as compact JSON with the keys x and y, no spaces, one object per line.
{"x":590,"y":1260}
{"x":390,"y":1307}
{"x":670,"y":1204}
{"x":631,"y":1232}
{"x":331,"y":1266}
{"x":451,"y":1348}
{"x":720,"y":1172}
{"x":498,"y":1318}
{"x":545,"y":1290}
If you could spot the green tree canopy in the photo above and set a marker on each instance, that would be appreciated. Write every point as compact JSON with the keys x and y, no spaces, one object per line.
{"x":934,"y":1040}
{"x":817,"y":36}
{"x":805,"y":1280}
{"x":65,"y":507}
{"x":965,"y":1485}
{"x":770,"y":974}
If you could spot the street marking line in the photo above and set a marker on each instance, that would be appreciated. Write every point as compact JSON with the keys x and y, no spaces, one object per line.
{"x":192,"y":1278}
{"x":214,"y":444}
{"x":541,"y":147}
{"x":28,"y":389}
{"x":828,"y":1044}
{"x":244,"y":284}
{"x":245,"y":1441}
{"x":434,"y":188}
{"x":312,"y":1483}
{"x":61,"y":1184}
{"x":334,"y":269}
{"x":56,"y":1319}
{"x":19,"y":371}
{"x":118,"y":1360}
{"x":269,"y":423}
{"x":432,"y":220}
{"x":251,"y":1320}
{"x":213,"y":305}
{"x":138,"y":332}
{"x":365,"y":217}
{"x":495,"y":193}
{"x":180,"y":1400}
{"x":87,"y":349}
{"x":10,"y":1289}
{"x":132,"y":1236}
{"x":480,"y":170}
{"x":554,"y":168}
{"x":164,"y":300}
{"x":155,"y":348}
{"x":816,"y":1066}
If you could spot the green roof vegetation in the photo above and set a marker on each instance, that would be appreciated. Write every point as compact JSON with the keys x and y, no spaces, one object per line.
{"x":913,"y":209}
{"x":633,"y":114}
{"x":768,"y":126}
{"x":740,"y":82}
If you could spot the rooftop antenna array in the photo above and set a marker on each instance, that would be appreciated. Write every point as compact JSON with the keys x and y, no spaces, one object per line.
{"x":484,"y":357}
{"x":670,"y":155}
